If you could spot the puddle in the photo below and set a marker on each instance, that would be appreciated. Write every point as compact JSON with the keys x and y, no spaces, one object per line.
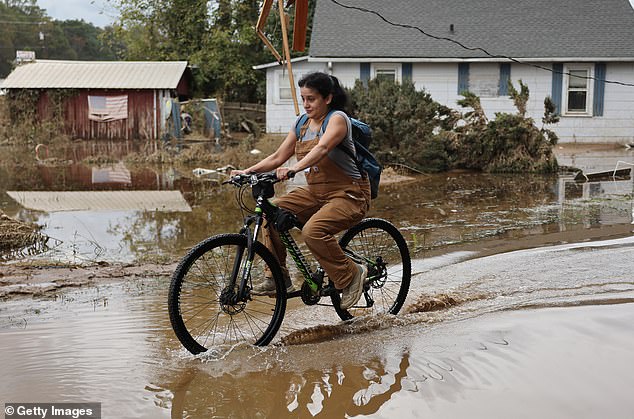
{"x":514,"y":327}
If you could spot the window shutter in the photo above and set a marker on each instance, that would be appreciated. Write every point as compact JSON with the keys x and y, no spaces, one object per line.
{"x":364,"y":73}
{"x":463,"y":77}
{"x":406,"y":70}
{"x":558,"y":76}
{"x":599,"y":89}
{"x":505,"y":77}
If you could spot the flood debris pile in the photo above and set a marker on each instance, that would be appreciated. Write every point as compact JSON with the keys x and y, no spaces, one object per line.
{"x":511,"y":143}
{"x":16,"y":235}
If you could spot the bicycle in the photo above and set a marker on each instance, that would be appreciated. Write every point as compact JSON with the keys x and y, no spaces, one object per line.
{"x":210,"y":299}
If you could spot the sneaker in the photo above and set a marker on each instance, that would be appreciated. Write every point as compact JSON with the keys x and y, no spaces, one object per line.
{"x":267,"y":287}
{"x":352,"y":293}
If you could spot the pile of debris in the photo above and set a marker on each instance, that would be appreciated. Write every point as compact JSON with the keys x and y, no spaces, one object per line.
{"x":16,"y":235}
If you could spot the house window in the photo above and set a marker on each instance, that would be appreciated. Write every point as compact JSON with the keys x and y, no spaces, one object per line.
{"x":284,"y":87}
{"x":578,"y":90}
{"x":388,"y":72}
{"x":484,"y":79}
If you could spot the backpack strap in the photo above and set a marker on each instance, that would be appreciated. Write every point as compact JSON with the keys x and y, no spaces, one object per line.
{"x":340,"y":145}
{"x":300,"y":125}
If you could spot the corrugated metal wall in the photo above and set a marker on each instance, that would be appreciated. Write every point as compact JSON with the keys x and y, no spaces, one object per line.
{"x":143,"y":122}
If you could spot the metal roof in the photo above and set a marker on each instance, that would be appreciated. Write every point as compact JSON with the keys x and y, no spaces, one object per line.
{"x":52,"y":74}
{"x":534,"y":29}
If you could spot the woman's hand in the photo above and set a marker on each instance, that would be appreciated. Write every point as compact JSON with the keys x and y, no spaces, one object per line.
{"x":284,"y":173}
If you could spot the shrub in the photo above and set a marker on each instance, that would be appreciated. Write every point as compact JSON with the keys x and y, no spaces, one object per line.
{"x":404,"y":122}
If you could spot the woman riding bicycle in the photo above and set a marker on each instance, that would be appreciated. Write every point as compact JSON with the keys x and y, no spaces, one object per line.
{"x":337,"y":195}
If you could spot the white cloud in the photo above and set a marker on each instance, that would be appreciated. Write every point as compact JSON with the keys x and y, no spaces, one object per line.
{"x":98,"y":12}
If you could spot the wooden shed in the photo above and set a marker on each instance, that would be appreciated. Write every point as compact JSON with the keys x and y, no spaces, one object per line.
{"x":105,"y":99}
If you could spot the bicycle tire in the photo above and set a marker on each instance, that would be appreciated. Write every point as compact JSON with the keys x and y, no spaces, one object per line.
{"x":378,"y":240}
{"x":199,"y":318}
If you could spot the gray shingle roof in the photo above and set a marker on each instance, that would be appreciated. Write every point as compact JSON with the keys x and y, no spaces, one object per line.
{"x":516,"y":28}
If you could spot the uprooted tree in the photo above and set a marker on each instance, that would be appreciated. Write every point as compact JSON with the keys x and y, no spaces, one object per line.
{"x":510,"y":143}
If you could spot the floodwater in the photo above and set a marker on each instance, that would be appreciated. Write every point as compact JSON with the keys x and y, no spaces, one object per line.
{"x":522,"y":305}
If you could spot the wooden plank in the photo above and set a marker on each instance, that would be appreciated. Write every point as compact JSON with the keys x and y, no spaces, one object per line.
{"x":287,"y":55}
{"x":606,"y":175}
{"x":299,"y":28}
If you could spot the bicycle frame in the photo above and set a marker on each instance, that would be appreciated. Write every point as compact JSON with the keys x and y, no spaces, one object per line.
{"x":211,"y":300}
{"x":263,"y":206}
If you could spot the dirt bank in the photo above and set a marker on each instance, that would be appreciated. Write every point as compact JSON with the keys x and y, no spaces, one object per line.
{"x":44,"y":279}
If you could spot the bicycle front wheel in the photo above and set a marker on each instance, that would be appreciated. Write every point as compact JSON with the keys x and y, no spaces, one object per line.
{"x":203,"y":305}
{"x":381,"y":247}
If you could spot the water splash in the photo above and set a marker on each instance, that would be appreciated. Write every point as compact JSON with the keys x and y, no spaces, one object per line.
{"x":437,"y":302}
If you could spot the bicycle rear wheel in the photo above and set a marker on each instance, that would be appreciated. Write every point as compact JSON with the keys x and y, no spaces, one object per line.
{"x":378,"y":244}
{"x":201,"y":308}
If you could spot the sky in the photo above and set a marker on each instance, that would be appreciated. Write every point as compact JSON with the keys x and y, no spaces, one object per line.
{"x":98,"y":12}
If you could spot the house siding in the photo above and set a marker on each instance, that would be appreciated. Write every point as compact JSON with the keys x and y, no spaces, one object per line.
{"x":440,"y":80}
{"x":280,"y":114}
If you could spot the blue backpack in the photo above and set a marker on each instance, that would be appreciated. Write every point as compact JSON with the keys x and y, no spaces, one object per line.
{"x":361,"y":135}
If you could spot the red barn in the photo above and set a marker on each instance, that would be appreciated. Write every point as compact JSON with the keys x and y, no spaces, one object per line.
{"x":105,"y":99}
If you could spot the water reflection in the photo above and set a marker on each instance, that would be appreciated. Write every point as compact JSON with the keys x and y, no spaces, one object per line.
{"x":433,"y":211}
{"x":113,"y":343}
{"x":330,"y":392}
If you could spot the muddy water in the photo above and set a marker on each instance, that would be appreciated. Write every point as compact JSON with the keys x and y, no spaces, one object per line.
{"x":535,"y":332}
{"x":434,"y":212}
{"x":542,"y":331}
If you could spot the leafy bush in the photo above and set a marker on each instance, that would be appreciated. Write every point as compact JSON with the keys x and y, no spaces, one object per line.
{"x":403,"y":122}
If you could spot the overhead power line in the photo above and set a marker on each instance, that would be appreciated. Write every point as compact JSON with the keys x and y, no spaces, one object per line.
{"x":468,"y":48}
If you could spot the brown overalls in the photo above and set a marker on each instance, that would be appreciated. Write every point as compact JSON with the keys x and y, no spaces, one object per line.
{"x":332,"y":202}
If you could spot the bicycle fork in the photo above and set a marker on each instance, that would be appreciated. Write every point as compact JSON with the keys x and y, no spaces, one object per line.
{"x":241,"y":271}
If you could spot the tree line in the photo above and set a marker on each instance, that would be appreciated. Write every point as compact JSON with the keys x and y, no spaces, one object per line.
{"x":217,"y":38}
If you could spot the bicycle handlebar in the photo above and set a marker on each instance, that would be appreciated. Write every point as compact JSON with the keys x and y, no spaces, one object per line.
{"x":255,"y":178}
{"x":252,"y":179}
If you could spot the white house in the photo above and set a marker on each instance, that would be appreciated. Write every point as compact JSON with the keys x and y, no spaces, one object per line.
{"x":578,"y":52}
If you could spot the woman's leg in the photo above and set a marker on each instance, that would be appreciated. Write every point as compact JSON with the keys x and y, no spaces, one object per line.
{"x":338,"y":214}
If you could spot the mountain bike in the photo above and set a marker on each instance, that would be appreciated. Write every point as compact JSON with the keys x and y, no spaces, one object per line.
{"x":211,"y":297}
